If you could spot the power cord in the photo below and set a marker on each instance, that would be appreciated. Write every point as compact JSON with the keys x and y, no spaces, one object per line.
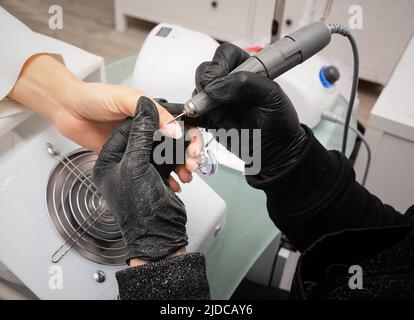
{"x":335,"y":119}
{"x":338,"y":29}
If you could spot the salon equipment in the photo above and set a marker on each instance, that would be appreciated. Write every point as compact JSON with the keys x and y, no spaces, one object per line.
{"x":171,"y":54}
{"x":282,"y":56}
{"x":175,"y":53}
{"x":58,"y":239}
{"x":54,"y":219}
{"x":209,"y":164}
{"x":335,"y":119}
{"x":169,"y":47}
{"x":272,"y":61}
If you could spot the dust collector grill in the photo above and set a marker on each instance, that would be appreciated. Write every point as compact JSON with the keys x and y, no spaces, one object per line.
{"x":73,"y":203}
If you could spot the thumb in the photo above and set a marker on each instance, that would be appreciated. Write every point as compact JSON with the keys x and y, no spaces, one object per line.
{"x":145,"y":123}
{"x":112,"y":151}
{"x":226,"y":58}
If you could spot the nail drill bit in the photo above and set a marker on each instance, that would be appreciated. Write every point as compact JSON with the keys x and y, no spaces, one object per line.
{"x":176,"y":118}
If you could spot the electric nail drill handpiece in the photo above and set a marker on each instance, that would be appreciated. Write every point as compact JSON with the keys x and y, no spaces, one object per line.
{"x":272,"y":61}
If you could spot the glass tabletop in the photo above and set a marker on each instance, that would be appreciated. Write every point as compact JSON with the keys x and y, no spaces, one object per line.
{"x":248,"y":229}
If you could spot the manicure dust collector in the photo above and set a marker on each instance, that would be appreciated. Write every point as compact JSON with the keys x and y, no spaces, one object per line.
{"x":58,"y":240}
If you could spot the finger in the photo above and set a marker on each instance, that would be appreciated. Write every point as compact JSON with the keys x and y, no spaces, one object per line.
{"x":173,"y":184}
{"x":193,"y":150}
{"x":230,"y":56}
{"x":144,"y":124}
{"x":115,"y":146}
{"x":226,"y":58}
{"x":192,"y":163}
{"x":166,"y":127}
{"x":184,"y":174}
{"x":204,"y":75}
{"x":112,"y":151}
{"x":196,"y":142}
{"x":101,"y":135}
{"x":90,"y":135}
{"x":173,"y":108}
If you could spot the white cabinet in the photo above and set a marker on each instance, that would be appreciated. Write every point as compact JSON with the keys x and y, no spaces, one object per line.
{"x":387,"y":26}
{"x":390,"y":133}
{"x":227,"y":20}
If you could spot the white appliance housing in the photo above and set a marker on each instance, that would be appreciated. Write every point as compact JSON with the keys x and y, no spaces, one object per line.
{"x":168,"y":59}
{"x":304,"y":88}
{"x":27,"y":237}
{"x":170,"y":55}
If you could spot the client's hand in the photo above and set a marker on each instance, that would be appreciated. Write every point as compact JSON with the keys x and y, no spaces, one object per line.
{"x":152,"y":218}
{"x":87,"y":113}
{"x":98,"y":108}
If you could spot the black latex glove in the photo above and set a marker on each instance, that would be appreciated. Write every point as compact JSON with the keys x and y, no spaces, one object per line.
{"x":249,"y":101}
{"x":179,"y":149}
{"x":151,"y":217}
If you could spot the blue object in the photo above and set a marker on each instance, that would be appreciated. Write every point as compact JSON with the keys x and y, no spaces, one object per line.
{"x":323,"y":79}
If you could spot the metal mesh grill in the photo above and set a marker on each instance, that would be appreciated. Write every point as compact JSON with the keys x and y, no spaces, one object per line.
{"x":78,"y":212}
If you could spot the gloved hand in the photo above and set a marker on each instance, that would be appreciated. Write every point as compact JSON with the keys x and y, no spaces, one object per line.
{"x":151,"y":217}
{"x":249,"y":101}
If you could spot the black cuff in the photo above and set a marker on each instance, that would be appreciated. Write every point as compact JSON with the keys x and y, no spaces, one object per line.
{"x":178,"y":278}
{"x":156,"y":248}
{"x":312,"y":178}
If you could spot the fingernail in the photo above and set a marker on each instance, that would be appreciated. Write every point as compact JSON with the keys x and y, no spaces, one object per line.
{"x":171,"y":130}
